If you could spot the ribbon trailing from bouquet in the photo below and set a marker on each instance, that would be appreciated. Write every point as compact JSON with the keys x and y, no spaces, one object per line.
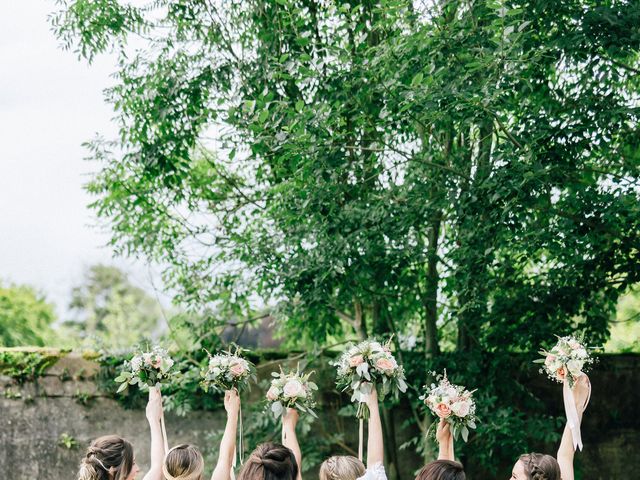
{"x":361,"y":439}
{"x":571,"y":412}
{"x":238,"y":452}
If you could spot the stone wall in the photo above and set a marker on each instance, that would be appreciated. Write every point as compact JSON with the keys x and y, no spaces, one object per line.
{"x":38,"y":417}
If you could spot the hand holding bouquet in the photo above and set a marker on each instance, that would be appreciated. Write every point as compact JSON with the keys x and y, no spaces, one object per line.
{"x":291,"y":390}
{"x":146,"y":369}
{"x":369,"y":365}
{"x":566,"y":360}
{"x":566,"y":363}
{"x":228,"y":371}
{"x":452,"y":403}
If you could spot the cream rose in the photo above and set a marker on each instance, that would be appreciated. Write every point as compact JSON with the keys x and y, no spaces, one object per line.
{"x":293,"y":389}
{"x":273,"y":393}
{"x":443,"y":410}
{"x":461,"y":408}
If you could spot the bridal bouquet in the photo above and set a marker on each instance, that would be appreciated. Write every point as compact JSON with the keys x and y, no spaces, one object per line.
{"x":291,"y":390}
{"x":146,"y":369}
{"x":565,"y":363}
{"x":453,"y":403}
{"x":368,"y":365}
{"x":567,"y":360}
{"x":227,"y":371}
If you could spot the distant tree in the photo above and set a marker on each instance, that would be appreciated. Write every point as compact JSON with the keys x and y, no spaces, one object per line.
{"x":25,"y":317}
{"x":109,"y":309}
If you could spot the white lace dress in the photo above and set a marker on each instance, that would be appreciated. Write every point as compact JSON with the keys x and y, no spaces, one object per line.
{"x":375,"y":472}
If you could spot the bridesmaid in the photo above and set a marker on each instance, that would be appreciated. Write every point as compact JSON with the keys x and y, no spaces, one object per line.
{"x":111,"y":457}
{"x":185,"y":462}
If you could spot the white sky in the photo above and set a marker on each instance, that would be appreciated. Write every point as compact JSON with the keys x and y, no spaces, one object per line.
{"x":50,"y":102}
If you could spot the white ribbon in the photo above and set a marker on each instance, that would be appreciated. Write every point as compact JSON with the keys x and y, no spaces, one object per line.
{"x":573,"y":420}
{"x":361,"y":439}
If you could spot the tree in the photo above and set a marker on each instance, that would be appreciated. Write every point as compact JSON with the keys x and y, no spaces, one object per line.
{"x":470,"y":167}
{"x":111,"y":310}
{"x":25,"y":317}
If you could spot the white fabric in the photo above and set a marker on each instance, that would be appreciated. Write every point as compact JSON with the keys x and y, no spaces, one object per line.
{"x":375,"y":472}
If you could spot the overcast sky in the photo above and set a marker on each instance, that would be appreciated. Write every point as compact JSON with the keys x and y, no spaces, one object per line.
{"x":50,"y":102}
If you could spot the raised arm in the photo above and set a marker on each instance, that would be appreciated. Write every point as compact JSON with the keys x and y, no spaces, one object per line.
{"x":375,"y":443}
{"x":566,"y":451}
{"x":290,"y":439}
{"x":154,"y":414}
{"x":445,"y":441}
{"x":228,"y":443}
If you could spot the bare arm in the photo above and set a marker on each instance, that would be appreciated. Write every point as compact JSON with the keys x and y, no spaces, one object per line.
{"x":228,"y":443}
{"x":566,"y":450}
{"x":289,"y":421}
{"x":375,"y":443}
{"x":445,"y":441}
{"x":154,"y":413}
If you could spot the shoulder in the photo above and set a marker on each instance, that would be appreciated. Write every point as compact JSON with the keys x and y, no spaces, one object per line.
{"x":374,"y":472}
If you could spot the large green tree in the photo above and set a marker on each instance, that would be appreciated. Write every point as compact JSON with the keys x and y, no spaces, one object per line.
{"x":468,"y":169}
{"x":25,"y":317}
{"x":111,"y":311}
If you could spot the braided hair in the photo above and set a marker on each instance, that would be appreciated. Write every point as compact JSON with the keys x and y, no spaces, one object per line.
{"x":539,"y":466}
{"x":107,"y":458}
{"x":341,"y":467}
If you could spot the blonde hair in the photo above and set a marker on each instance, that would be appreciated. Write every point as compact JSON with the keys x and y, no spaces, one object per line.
{"x":183,"y":462}
{"x":341,"y":467}
{"x":107,"y":458}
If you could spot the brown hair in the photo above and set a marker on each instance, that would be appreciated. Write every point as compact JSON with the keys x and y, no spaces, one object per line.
{"x":107,"y":458}
{"x":539,"y":466}
{"x":442,"y":470}
{"x":270,"y":461}
{"x":183,"y":462}
{"x":341,"y":467}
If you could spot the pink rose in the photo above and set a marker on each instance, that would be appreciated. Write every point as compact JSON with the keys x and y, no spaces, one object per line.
{"x":273,"y":393}
{"x":237,"y":369}
{"x":385,"y":364}
{"x":443,"y":410}
{"x":158,"y":363}
{"x":549,"y":360}
{"x":561,"y":373}
{"x":356,"y":360}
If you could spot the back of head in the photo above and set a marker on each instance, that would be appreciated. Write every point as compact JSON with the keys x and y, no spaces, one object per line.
{"x":539,"y":466}
{"x":107,"y":458}
{"x":183,"y":462}
{"x":270,"y":461}
{"x":341,"y":467}
{"x":442,"y":470}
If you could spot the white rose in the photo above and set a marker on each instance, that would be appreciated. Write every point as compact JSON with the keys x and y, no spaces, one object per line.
{"x":273,"y":393}
{"x":575,"y":367}
{"x":136,"y":363}
{"x":461,"y":408}
{"x":293,"y":389}
{"x":581,"y":353}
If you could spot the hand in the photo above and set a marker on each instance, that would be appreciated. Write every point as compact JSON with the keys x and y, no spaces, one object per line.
{"x":290,"y":419}
{"x":443,"y":433}
{"x":581,"y":391}
{"x":232,"y":402}
{"x":154,"y":406}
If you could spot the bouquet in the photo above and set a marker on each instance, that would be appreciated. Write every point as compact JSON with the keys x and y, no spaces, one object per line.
{"x":566,"y":361}
{"x":369,"y":365}
{"x":227,"y":371}
{"x":453,"y":403}
{"x":146,"y":369}
{"x":291,"y":390}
